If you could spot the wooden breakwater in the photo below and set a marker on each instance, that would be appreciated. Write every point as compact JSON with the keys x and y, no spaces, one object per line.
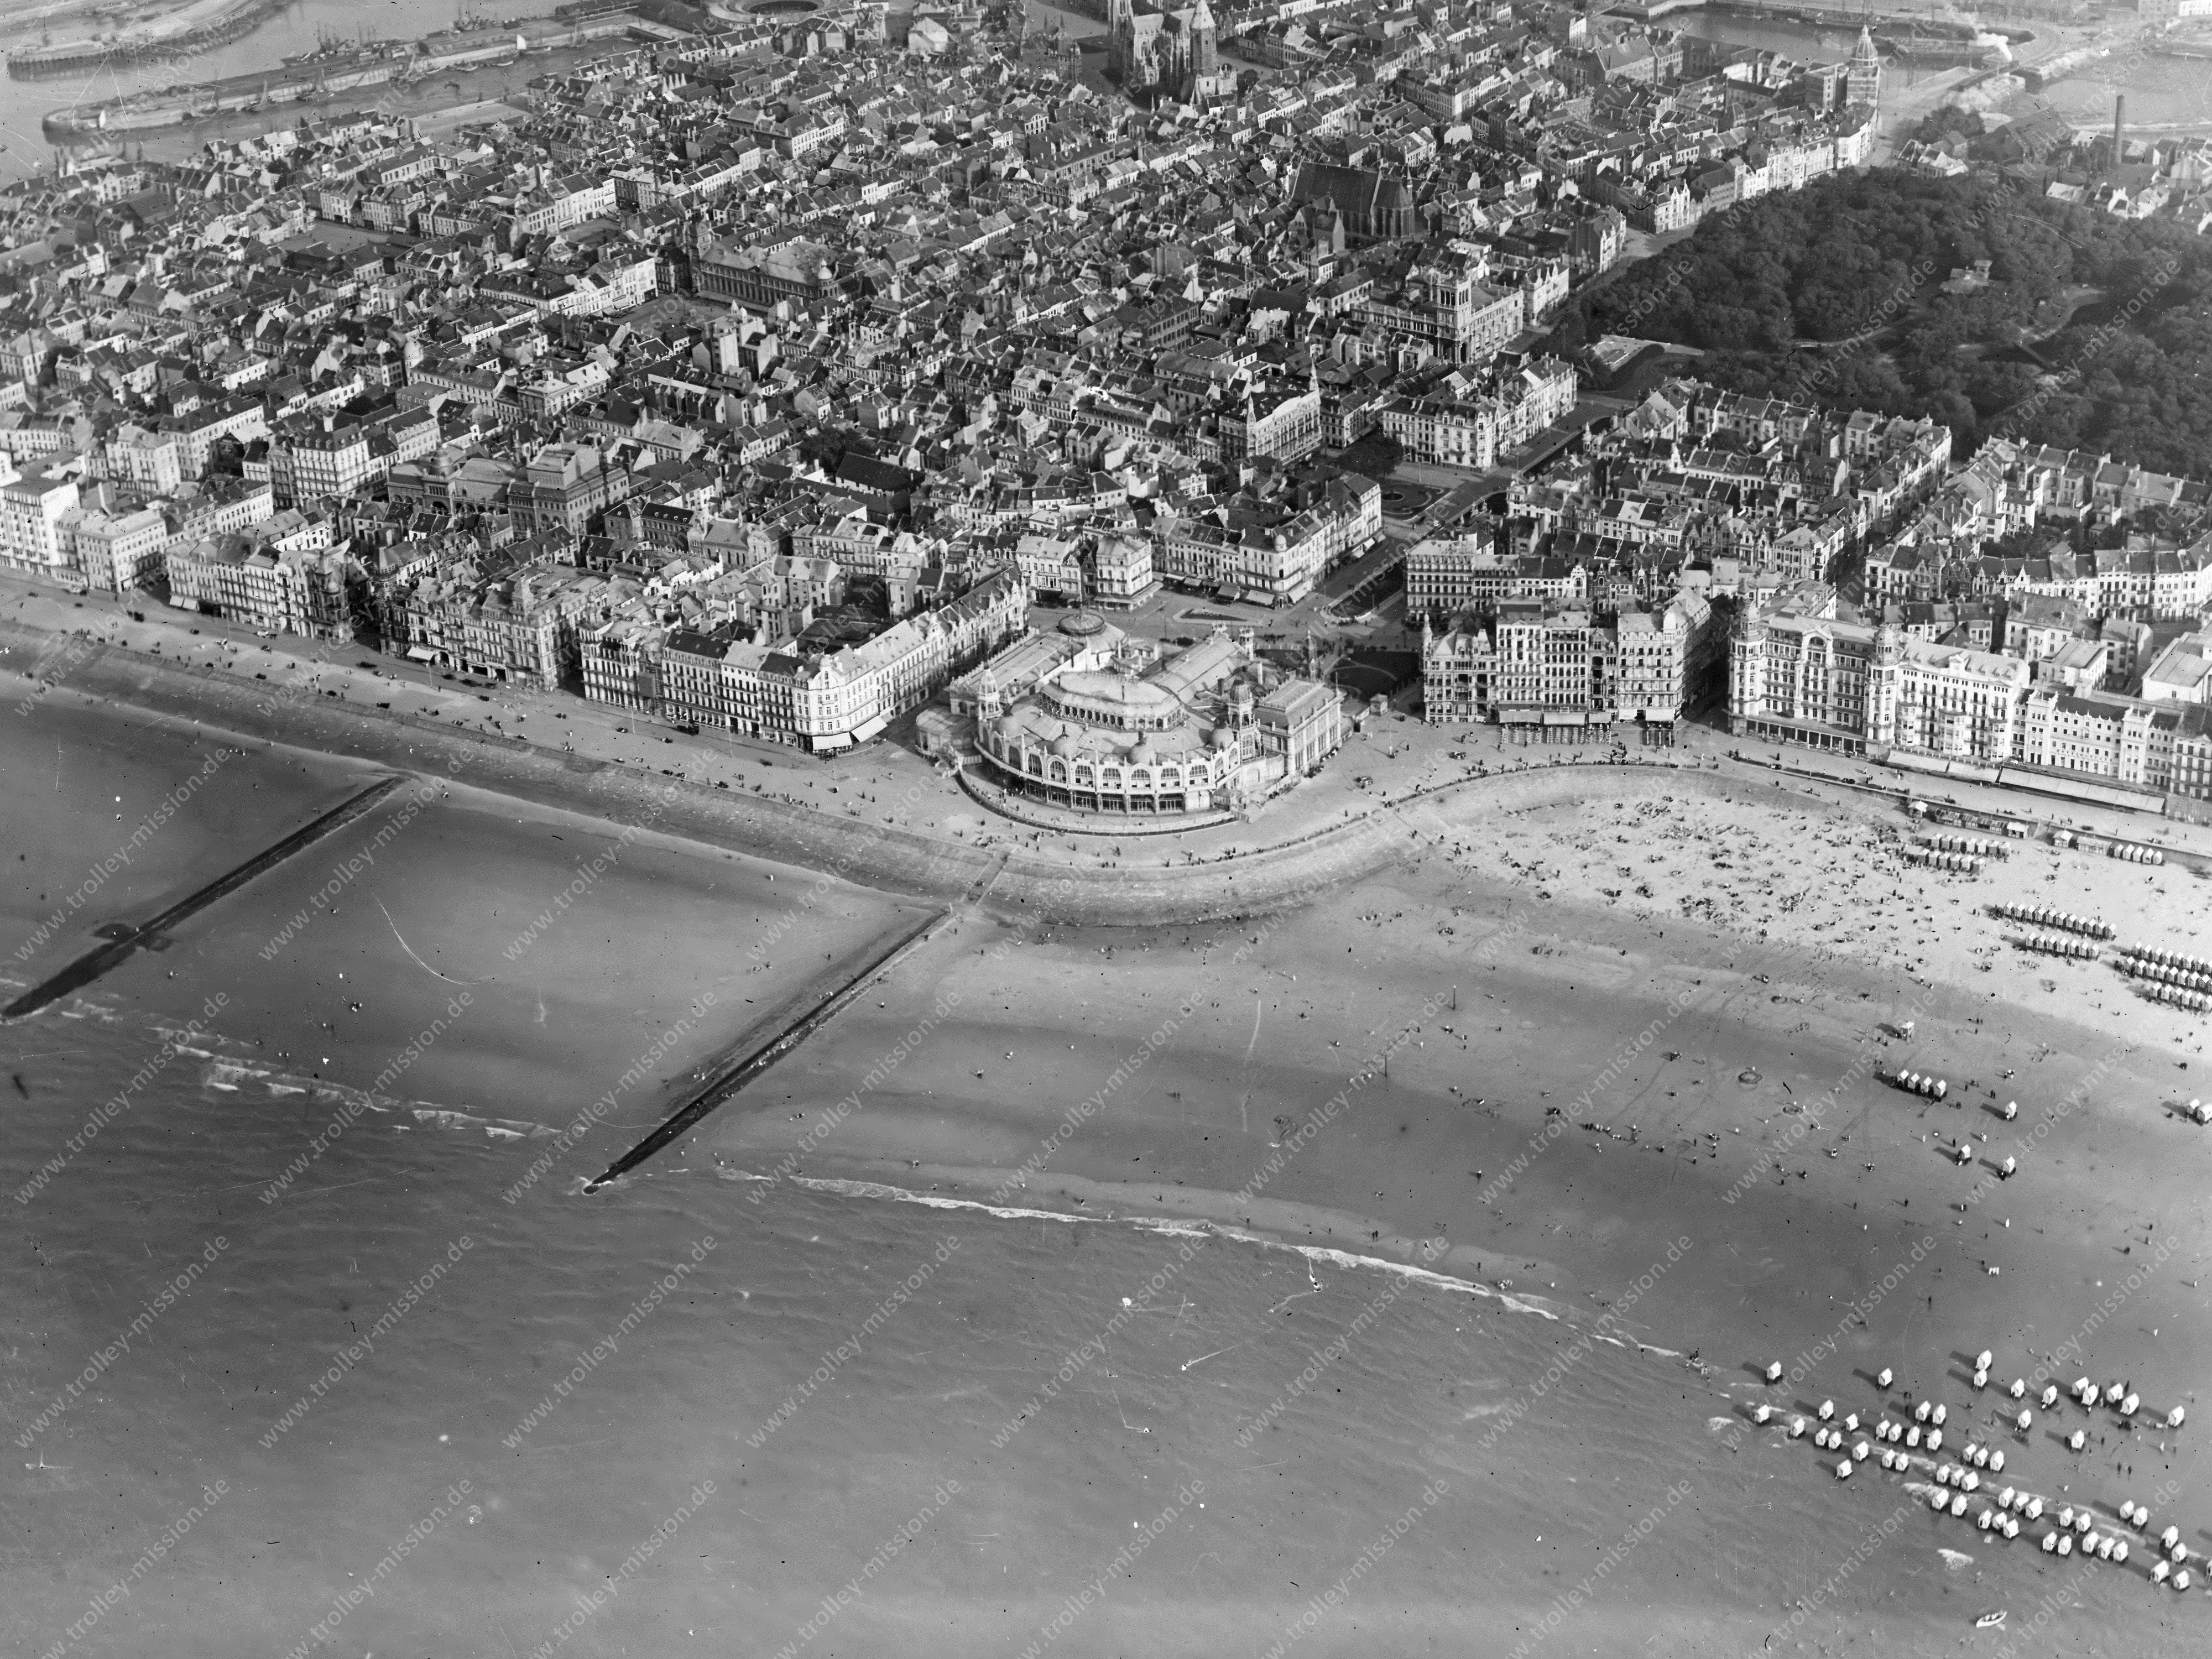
{"x":131,"y":937}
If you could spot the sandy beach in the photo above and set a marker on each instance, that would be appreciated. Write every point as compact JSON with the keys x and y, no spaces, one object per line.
{"x":1446,"y":1181}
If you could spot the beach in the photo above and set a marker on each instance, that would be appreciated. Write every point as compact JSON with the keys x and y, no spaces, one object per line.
{"x":1337,"y":1249}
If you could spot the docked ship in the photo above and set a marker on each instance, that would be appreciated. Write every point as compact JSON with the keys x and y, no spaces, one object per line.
{"x":335,"y":66}
{"x":310,"y":75}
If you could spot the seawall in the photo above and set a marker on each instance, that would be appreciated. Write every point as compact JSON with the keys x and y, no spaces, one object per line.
{"x":889,"y":858}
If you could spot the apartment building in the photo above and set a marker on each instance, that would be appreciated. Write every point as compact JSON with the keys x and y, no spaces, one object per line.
{"x":32,"y":509}
{"x":1795,"y":677}
{"x":1449,"y":574}
{"x":116,"y":551}
{"x":277,"y":591}
{"x":1536,"y":662}
{"x":1663,"y":658}
{"x":1947,"y":700}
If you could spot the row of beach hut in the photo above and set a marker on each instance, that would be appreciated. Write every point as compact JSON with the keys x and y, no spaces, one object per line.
{"x":2187,"y":978}
{"x":2045,"y":915}
{"x":1963,"y":864}
{"x":1975,"y":845}
{"x":2177,"y":959}
{"x":1920,"y":1083}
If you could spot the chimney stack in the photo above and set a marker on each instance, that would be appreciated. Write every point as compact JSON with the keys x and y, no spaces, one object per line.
{"x":2119,"y":125}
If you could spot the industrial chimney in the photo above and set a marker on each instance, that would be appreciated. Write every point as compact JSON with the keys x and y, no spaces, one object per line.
{"x":2119,"y":125}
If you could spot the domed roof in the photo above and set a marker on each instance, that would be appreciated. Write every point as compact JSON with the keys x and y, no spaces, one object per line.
{"x":1064,"y":744}
{"x":1141,"y":755}
{"x":1222,"y":737}
{"x":1010,"y":730}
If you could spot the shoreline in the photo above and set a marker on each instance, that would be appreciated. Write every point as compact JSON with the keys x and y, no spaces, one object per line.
{"x":893,"y":858}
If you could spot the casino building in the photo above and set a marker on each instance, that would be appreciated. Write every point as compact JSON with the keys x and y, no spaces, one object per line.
{"x":1128,"y":731}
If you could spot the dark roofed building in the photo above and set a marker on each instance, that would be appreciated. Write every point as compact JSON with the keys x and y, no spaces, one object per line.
{"x":1375,"y":207}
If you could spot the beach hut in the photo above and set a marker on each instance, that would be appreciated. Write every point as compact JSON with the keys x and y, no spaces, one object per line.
{"x":2173,"y":1419}
{"x":1827,"y":1409}
{"x":1884,"y":1379}
{"x":2019,"y":1389}
{"x":1959,"y":1504}
{"x":2011,"y":1528}
{"x":1983,"y":1359}
{"x":1939,"y":1502}
{"x":2083,"y":1520}
{"x":2128,"y":1406}
{"x":2128,"y":1509}
{"x":2160,"y":1573}
{"x":1981,"y":1379}
{"x":1985,"y":1521}
{"x":1843,"y":1469}
{"x":2066,"y":1519}
{"x":1761,"y":1415}
{"x":2011,"y":1110}
{"x":1996,"y":1462}
{"x":1971,"y":1481}
{"x":2169,"y":1538}
{"x":1851,"y":1422}
{"x":2120,"y":1549}
{"x":2181,"y":1579}
{"x":1937,"y":1416}
{"x":2006,"y":1169}
{"x":1774,"y":1370}
{"x":2076,"y":1440}
{"x":1796,"y":1428}
{"x":2104,"y":1548}
{"x":1913,"y":1438}
{"x":1920,"y":1412}
{"x":1943,"y":1473}
{"x":2090,"y":1396}
{"x":2049,"y":1395}
{"x":2024,"y":1421}
{"x":2065,"y":1544}
{"x":1935,"y":1440}
{"x":2035,"y":1508}
{"x":2049,"y":1542}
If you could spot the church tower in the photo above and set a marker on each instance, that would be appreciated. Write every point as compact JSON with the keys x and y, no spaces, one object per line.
{"x":1120,"y":33}
{"x":1863,"y":77}
{"x":1204,"y":51}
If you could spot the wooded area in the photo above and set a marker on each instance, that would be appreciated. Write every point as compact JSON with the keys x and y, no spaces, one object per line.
{"x":1858,"y":263}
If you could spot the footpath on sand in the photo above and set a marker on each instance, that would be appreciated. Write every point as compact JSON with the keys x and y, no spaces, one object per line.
{"x":1309,"y":857}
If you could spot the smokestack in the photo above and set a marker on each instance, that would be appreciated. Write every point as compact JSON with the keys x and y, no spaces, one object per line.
{"x":2119,"y":125}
